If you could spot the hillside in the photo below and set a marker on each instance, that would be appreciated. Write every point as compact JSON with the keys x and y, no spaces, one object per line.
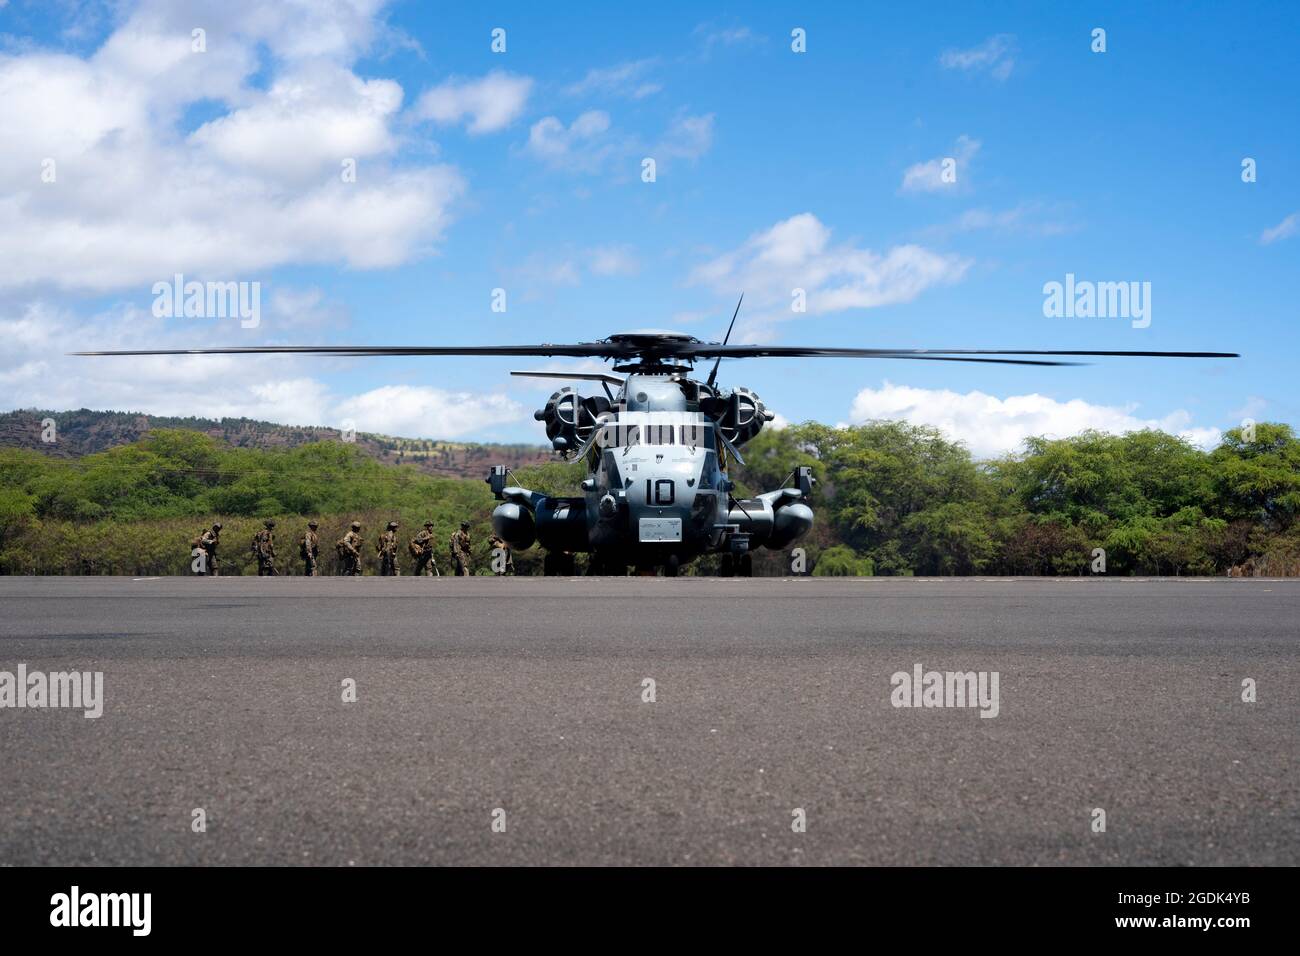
{"x":86,"y":432}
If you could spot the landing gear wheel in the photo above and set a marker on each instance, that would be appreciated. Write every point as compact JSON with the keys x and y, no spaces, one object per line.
{"x":728,"y":567}
{"x":672,"y":565}
{"x":745,"y":566}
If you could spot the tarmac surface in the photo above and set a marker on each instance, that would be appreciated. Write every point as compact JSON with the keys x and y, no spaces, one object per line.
{"x":520,"y":700}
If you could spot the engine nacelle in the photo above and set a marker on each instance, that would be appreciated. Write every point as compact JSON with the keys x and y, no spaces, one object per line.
{"x":570,"y":417}
{"x":740,"y":414}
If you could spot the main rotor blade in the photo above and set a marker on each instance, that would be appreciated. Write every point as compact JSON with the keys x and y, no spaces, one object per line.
{"x":596,"y":350}
{"x":662,"y":351}
{"x":962,"y":358}
{"x":796,"y":351}
{"x":579,"y":350}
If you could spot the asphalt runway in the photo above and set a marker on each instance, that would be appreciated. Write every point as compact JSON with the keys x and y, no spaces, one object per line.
{"x":526,"y":695}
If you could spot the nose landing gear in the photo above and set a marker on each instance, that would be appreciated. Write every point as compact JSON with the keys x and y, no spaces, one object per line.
{"x":737,"y":566}
{"x":738,"y":562}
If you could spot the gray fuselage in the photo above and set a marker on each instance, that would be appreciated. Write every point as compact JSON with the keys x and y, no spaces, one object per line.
{"x":656,"y":485}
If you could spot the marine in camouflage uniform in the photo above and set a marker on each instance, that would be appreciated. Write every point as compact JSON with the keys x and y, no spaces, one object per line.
{"x":208,"y":541}
{"x":309,"y":550}
{"x":264,"y":550}
{"x":497,"y":543}
{"x":387,"y":549}
{"x":349,"y":549}
{"x":460,"y":544}
{"x":421,"y":548}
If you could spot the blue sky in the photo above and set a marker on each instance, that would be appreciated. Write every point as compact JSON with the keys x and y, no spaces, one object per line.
{"x":775,"y":169}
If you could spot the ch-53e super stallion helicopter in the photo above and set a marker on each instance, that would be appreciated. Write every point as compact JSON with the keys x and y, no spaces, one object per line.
{"x":658,"y":447}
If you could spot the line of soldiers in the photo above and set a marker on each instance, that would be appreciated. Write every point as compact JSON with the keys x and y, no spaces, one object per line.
{"x":350,"y":550}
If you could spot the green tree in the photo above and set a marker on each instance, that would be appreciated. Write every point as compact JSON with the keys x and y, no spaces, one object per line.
{"x":841,"y":562}
{"x":1259,"y":480}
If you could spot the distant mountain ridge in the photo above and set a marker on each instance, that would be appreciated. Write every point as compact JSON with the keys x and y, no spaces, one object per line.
{"x":84,"y":432}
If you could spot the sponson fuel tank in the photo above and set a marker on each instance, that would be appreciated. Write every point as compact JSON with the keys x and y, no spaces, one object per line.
{"x":774,"y":520}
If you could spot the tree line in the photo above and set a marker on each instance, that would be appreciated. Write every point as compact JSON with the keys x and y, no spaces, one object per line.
{"x":892,"y":499}
{"x":895,"y":498}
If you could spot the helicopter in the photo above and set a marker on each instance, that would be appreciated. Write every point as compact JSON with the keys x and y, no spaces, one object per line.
{"x":658,"y":447}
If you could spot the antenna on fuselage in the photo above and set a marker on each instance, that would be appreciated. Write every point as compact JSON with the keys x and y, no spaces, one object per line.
{"x":714,"y":373}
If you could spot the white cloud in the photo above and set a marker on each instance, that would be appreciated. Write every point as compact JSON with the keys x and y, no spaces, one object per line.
{"x":304,"y":125}
{"x":797,"y":253}
{"x":591,"y":145}
{"x":1283,"y":230}
{"x":1025,"y":218}
{"x":625,"y":79}
{"x":928,"y":176}
{"x":992,"y":426}
{"x":711,"y":35}
{"x":567,"y":267}
{"x":996,"y":55}
{"x":1254,"y":407}
{"x":491,"y":103}
{"x":306,"y":308}
{"x":422,"y":411}
{"x":135,"y":199}
{"x":281,"y":389}
{"x":687,"y":137}
{"x":580,"y":146}
{"x":151,"y":48}
{"x":203,"y":224}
